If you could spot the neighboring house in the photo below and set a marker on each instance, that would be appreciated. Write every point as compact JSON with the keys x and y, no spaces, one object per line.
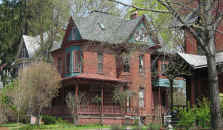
{"x":161,"y":85}
{"x":100,"y":53}
{"x":28,"y":49}
{"x":197,"y":84}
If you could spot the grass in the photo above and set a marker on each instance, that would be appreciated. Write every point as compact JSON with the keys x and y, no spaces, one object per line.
{"x":61,"y":126}
{"x":58,"y":126}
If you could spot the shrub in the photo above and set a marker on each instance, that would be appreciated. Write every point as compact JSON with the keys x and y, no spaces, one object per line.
{"x":199,"y":114}
{"x":153,"y":126}
{"x":32,"y":127}
{"x":116,"y":127}
{"x":49,"y":119}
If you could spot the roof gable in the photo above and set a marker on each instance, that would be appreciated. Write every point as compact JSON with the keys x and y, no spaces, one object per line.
{"x":102,"y":27}
{"x":74,"y":34}
{"x":141,"y":34}
{"x":106,"y":28}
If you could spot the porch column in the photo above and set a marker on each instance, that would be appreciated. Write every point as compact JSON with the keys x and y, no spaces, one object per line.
{"x":76,"y":95}
{"x":102,"y":100}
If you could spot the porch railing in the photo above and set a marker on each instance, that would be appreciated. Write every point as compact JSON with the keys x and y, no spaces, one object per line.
{"x":96,"y":109}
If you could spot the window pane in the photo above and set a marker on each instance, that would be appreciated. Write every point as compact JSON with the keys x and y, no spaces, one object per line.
{"x":141,"y":63}
{"x":68,"y":63}
{"x":100,"y":67}
{"x":100,"y":62}
{"x":126,"y":65}
{"x":141,"y":98}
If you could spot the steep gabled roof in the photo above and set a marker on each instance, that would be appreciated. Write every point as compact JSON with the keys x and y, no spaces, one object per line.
{"x":102,"y":27}
{"x":32,"y":44}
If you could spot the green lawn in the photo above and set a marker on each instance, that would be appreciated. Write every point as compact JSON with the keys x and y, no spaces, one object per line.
{"x":59,"y":126}
{"x":15,"y":126}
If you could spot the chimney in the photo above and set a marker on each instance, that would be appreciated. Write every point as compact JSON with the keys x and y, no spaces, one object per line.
{"x":134,"y":15}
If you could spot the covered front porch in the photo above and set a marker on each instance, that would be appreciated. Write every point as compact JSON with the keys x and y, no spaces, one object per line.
{"x":95,"y":98}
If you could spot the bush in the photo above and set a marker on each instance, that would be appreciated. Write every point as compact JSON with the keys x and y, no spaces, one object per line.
{"x":116,"y":127}
{"x":49,"y":119}
{"x":199,"y":115}
{"x":153,"y":126}
{"x":32,"y":127}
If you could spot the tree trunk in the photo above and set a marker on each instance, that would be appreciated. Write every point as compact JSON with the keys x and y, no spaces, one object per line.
{"x":18,"y":115}
{"x":171,"y":95}
{"x":214,"y":93}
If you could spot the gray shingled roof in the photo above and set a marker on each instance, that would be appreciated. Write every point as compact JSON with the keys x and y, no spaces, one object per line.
{"x":116,"y":30}
{"x":199,"y":61}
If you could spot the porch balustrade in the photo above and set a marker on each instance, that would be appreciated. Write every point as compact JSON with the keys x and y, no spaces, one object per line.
{"x":96,"y":109}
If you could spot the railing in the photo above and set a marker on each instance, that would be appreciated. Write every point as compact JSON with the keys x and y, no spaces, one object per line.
{"x":96,"y":109}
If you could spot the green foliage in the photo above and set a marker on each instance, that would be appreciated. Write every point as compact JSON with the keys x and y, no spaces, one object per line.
{"x":32,"y":127}
{"x":116,"y":127}
{"x":120,"y":97}
{"x":153,"y":126}
{"x":49,"y":119}
{"x":199,"y":115}
{"x":97,"y":100}
{"x":160,"y":21}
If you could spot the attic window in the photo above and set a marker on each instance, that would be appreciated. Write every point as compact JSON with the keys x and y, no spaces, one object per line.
{"x":101,"y":26}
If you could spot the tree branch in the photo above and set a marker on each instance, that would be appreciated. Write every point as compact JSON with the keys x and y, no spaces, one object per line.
{"x":138,"y":8}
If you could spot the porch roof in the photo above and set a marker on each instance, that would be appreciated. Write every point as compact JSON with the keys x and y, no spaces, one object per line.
{"x":95,"y":77}
{"x":200,"y":61}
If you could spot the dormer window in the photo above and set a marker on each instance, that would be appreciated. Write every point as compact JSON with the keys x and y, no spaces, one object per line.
{"x":74,"y":34}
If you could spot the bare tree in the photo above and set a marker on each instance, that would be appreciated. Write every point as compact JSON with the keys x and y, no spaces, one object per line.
{"x":175,"y":68}
{"x":203,"y":21}
{"x":42,"y":82}
{"x":73,"y":103}
{"x":19,"y":98}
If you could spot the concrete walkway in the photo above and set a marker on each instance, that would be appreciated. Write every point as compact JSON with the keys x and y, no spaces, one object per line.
{"x":4,"y":128}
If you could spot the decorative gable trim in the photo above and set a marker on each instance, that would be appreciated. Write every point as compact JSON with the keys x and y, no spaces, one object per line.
{"x":71,"y":25}
{"x":141,"y":36}
{"x":22,"y":46}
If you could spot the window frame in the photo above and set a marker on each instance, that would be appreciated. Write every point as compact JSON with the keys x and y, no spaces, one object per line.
{"x":100,"y":58}
{"x":126,"y":65}
{"x":141,"y":63}
{"x":67,"y":65}
{"x":141,"y":98}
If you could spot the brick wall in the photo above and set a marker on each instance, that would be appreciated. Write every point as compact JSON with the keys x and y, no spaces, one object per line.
{"x":219,"y":38}
{"x":142,"y":80}
{"x":90,"y":63}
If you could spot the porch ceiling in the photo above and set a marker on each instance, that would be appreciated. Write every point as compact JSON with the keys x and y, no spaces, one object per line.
{"x":96,"y":77}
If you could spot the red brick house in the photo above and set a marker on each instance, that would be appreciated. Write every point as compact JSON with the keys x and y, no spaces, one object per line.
{"x":100,"y":53}
{"x":90,"y":61}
